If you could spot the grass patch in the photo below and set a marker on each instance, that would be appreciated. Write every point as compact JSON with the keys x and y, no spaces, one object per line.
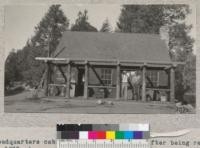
{"x":14,"y":91}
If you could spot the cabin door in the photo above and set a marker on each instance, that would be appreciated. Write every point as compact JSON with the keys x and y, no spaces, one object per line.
{"x":131,"y":84}
{"x":80,"y":82}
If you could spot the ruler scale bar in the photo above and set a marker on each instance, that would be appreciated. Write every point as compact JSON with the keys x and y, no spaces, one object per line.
{"x":107,"y":144}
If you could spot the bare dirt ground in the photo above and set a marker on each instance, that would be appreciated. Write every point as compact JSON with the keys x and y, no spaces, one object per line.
{"x":22,"y":103}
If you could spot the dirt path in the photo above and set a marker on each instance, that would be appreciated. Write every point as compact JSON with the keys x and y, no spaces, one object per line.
{"x":21,"y":104}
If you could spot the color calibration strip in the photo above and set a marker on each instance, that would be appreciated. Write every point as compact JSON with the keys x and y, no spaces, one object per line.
{"x":103,"y":131}
{"x":103,"y":136}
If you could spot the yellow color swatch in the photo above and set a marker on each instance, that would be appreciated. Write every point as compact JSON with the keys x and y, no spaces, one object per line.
{"x":110,"y":135}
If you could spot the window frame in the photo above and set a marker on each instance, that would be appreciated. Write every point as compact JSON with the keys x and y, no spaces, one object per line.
{"x":153,"y":75}
{"x":58,"y":76}
{"x":107,"y":77}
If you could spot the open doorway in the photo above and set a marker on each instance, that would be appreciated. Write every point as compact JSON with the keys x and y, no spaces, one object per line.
{"x":80,"y":82}
{"x":131,"y":85}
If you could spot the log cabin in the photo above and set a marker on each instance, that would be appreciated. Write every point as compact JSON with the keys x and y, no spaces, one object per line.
{"x":90,"y":65}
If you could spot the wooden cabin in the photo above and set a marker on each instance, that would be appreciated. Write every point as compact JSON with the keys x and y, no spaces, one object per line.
{"x":90,"y":64}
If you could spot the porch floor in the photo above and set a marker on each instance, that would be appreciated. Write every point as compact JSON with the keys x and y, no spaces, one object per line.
{"x":20,"y":103}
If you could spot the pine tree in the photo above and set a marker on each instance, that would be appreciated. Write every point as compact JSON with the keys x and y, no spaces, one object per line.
{"x":140,"y":18}
{"x":105,"y":26}
{"x":49,"y":31}
{"x":82,"y":24}
{"x":47,"y":35}
{"x":149,"y":19}
{"x":12,"y":71}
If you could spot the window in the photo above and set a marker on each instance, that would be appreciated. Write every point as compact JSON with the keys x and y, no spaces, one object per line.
{"x":59,"y":76}
{"x":106,"y":76}
{"x":152,"y":78}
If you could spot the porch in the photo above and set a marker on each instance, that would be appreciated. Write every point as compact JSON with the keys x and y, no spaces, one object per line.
{"x":146,"y":92}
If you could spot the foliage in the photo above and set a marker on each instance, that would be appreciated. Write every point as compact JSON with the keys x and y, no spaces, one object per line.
{"x":189,"y":74}
{"x":12,"y":72}
{"x":33,"y":74}
{"x":82,"y":24}
{"x":140,"y":19}
{"x":180,"y":43}
{"x":47,"y":35}
{"x":150,"y":19}
{"x":186,"y":77}
{"x":105,"y":26}
{"x":49,"y":31}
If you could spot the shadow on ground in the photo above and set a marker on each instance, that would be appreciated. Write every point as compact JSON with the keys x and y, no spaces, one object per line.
{"x":23,"y":103}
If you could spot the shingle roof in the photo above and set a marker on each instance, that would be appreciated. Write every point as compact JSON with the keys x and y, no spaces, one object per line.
{"x":120,"y":46}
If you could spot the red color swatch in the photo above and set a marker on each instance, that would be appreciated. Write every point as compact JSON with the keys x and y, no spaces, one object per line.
{"x":101,"y":135}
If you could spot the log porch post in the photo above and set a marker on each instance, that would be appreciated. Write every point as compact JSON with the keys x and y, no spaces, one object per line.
{"x":46,"y":82}
{"x":68,"y":80}
{"x":118,"y":81}
{"x":172,"y":84}
{"x":86,"y":80}
{"x":144,"y":82}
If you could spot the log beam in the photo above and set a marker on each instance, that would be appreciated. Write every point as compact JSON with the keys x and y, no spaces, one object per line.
{"x":62,"y":72}
{"x":86,"y":80}
{"x":172,"y":84}
{"x":144,"y":83}
{"x":46,"y":81}
{"x":68,"y":80}
{"x":118,"y":81}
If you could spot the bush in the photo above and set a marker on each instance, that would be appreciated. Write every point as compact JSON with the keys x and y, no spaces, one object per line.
{"x":14,"y":90}
{"x":190,"y":98}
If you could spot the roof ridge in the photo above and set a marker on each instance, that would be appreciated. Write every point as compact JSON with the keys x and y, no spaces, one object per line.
{"x":121,"y":33}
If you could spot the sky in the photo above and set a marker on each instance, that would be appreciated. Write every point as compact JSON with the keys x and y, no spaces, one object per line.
{"x":20,"y":20}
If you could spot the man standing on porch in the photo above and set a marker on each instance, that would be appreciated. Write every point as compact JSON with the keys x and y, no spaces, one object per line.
{"x":125,"y":76}
{"x":135,"y":80}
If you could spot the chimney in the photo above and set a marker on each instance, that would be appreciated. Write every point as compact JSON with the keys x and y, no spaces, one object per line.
{"x":164,"y":34}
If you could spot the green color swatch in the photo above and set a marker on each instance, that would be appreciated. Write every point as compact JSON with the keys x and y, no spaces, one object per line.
{"x":119,"y":135}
